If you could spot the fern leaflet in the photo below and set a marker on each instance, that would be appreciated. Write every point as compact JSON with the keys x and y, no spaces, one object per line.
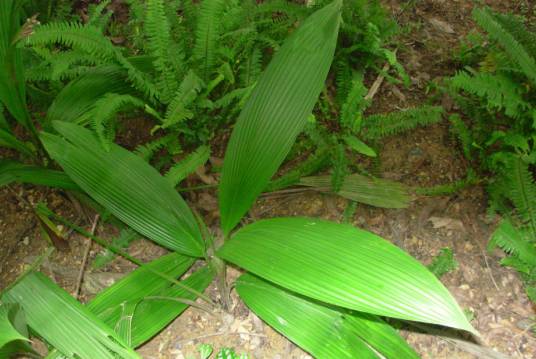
{"x":377,"y":126}
{"x":188,"y":165}
{"x":104,"y":111}
{"x":517,"y":52}
{"x":207,"y":32}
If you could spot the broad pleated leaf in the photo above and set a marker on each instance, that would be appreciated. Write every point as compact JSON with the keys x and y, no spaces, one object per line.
{"x":345,"y":266}
{"x":8,"y":329}
{"x":11,"y":171}
{"x":76,"y":100}
{"x":369,"y":190}
{"x":276,"y":112}
{"x":141,"y":282}
{"x":153,"y":315}
{"x":324,"y":331}
{"x":150,"y":316}
{"x":127,"y":186}
{"x":63,"y":322}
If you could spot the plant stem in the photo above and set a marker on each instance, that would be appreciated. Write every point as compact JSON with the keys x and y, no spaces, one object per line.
{"x":127,"y":256}
{"x":221,"y":278}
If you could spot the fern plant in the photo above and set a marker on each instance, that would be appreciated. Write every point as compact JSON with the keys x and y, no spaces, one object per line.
{"x":497,"y":93}
{"x":324,"y":285}
{"x":194,"y":58}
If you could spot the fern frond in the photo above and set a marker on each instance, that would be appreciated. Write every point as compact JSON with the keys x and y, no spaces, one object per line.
{"x":75,"y":35}
{"x":522,"y":191}
{"x":104,"y":112}
{"x":344,"y":80}
{"x":463,"y":134}
{"x":513,"y":241}
{"x":234,"y":95}
{"x":148,"y":150}
{"x":377,"y":126}
{"x":515,"y":49}
{"x":91,"y":40}
{"x":312,"y":164}
{"x":97,"y":16}
{"x":251,"y":67}
{"x":516,"y":27}
{"x":207,"y":32}
{"x":339,"y":164}
{"x":499,"y":91}
{"x":443,"y":263}
{"x":139,"y":79}
{"x":354,"y":105}
{"x":177,"y":110}
{"x":158,"y":32}
{"x":188,"y":165}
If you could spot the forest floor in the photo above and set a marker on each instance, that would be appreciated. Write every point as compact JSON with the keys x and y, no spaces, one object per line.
{"x":425,"y":157}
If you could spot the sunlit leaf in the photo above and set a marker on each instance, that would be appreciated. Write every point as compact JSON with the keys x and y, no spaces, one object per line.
{"x":322,"y":330}
{"x":150,"y":298}
{"x":127,"y":186}
{"x":344,"y":266}
{"x":276,"y":112}
{"x":63,"y":322}
{"x":13,"y":330}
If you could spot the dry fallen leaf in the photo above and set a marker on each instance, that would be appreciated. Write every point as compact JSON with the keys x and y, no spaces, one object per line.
{"x":446,"y":222}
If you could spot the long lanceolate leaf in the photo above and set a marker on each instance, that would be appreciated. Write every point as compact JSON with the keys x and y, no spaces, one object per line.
{"x":276,"y":112}
{"x":74,"y":330}
{"x":344,"y":266}
{"x":128,"y":187}
{"x":326,"y":332}
{"x":11,"y":171}
{"x":8,"y":140}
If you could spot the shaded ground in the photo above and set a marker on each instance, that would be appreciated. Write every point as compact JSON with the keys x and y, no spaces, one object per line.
{"x":425,"y":157}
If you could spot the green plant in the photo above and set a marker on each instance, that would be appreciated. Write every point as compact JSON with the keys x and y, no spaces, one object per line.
{"x":205,"y":352}
{"x":443,"y":263}
{"x":499,"y":99}
{"x":324,"y":285}
{"x":199,"y":59}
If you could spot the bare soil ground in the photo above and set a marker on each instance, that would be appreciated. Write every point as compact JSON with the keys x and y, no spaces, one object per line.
{"x":425,"y":157}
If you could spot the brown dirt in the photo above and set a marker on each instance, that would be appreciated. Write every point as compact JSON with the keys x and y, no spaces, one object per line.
{"x":425,"y":157}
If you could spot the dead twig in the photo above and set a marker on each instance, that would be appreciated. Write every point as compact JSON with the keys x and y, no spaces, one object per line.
{"x":378,"y":82}
{"x":84,"y":259}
